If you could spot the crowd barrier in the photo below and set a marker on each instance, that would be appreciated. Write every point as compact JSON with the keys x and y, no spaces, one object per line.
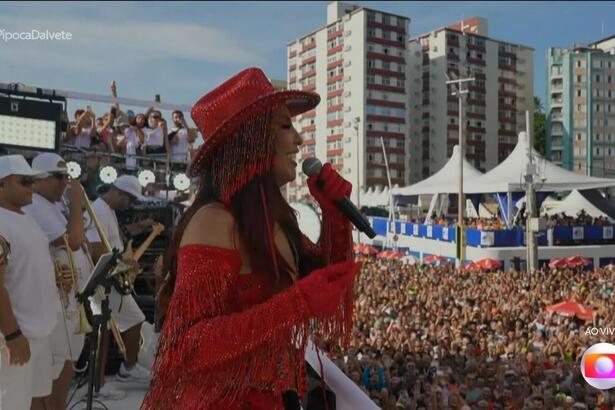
{"x":558,"y":235}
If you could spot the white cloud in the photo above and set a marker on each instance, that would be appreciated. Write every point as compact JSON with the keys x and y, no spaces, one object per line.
{"x":97,"y":45}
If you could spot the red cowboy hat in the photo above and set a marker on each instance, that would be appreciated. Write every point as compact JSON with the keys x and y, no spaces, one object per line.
{"x":218,"y":113}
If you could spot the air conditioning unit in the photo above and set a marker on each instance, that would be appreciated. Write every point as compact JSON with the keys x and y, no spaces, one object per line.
{"x":435,"y":48}
{"x":347,"y":155}
{"x":347,"y":63}
{"x":347,"y":48}
{"x":347,"y":109}
{"x":347,"y":33}
{"x":347,"y":94}
{"x":347,"y":140}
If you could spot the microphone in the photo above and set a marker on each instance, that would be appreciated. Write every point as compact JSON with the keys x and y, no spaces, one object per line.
{"x":312,"y":166}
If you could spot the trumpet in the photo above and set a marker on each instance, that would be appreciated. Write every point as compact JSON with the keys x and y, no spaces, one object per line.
{"x":67,"y":273}
{"x":115,"y":331}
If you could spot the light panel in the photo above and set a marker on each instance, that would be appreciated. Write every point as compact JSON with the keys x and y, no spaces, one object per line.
{"x":27,"y":132}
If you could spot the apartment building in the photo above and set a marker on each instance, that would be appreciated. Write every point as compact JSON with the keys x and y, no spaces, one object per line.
{"x":580,"y":107}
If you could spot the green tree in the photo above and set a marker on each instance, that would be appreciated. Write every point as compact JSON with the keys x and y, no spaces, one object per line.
{"x":540,"y":129}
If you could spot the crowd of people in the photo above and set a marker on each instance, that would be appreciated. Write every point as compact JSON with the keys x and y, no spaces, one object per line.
{"x":495,"y":223}
{"x":131,"y":133}
{"x":435,"y":338}
{"x":582,"y":219}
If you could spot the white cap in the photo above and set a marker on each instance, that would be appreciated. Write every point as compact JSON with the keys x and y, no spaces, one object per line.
{"x":17,"y":165}
{"x":50,"y":162}
{"x":129,"y":184}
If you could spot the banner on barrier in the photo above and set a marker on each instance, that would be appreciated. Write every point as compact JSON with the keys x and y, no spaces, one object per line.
{"x":429,"y":231}
{"x":415,"y":230}
{"x":486,"y":238}
{"x":607,"y":232}
{"x":445,"y":234}
{"x":577,"y":233}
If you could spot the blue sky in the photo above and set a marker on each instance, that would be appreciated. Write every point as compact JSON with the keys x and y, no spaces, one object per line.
{"x":182,"y":50}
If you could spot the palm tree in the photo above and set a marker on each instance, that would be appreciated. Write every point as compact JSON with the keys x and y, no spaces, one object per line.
{"x":538,"y":106}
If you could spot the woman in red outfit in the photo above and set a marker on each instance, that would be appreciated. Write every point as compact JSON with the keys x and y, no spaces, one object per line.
{"x":246,"y":287}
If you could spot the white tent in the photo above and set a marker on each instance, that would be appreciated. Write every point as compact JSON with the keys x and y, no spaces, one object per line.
{"x":508,"y":176}
{"x":573,"y":204}
{"x":445,"y":181}
{"x":381,"y":199}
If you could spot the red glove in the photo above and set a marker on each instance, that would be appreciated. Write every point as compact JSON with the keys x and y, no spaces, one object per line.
{"x":333,"y":187}
{"x":323,"y":288}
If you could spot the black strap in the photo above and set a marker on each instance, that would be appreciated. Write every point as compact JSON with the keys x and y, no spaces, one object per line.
{"x":12,"y":336}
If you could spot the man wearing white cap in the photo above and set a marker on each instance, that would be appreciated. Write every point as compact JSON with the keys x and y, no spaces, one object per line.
{"x":28,"y":299}
{"x":66,"y":342}
{"x":129,"y":317}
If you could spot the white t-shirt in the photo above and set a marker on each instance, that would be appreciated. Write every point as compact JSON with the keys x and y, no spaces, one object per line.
{"x":108,"y":222}
{"x":84,"y":139}
{"x":52,"y":221}
{"x":179,"y":151}
{"x":132,"y":143}
{"x":29,"y":276}
{"x":153,"y":137}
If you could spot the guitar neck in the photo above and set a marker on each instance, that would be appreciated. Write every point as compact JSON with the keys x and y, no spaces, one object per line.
{"x":141,"y":250}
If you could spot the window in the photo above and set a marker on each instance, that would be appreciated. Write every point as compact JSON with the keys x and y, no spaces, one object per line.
{"x":578,"y":93}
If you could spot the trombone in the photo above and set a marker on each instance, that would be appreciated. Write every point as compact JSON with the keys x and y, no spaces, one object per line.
{"x":115,"y":331}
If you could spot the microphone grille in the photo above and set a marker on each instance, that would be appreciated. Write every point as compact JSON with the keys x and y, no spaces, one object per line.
{"x":311,"y":166}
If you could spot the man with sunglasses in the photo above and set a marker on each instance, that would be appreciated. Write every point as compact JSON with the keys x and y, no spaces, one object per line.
{"x":66,"y":343}
{"x":28,"y":299}
{"x":121,"y":195}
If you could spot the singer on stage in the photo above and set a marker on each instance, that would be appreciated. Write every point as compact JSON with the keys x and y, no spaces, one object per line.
{"x":246,"y":289}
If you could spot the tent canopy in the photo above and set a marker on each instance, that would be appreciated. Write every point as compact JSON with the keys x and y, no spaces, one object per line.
{"x":445,"y":181}
{"x":508,"y":176}
{"x":573,"y":204}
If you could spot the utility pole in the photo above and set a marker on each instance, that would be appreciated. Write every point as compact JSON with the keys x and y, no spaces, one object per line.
{"x":357,"y":120}
{"x":531,"y":222}
{"x":391,"y":210}
{"x":459,"y":231}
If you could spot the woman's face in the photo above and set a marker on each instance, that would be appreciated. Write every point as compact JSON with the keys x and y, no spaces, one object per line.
{"x":140,"y":120}
{"x":287,"y":143}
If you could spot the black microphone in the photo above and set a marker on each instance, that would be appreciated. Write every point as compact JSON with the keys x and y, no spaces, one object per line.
{"x":312,"y":166}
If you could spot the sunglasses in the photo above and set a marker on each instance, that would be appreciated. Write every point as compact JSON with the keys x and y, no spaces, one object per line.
{"x":26,"y":181}
{"x":61,"y":176}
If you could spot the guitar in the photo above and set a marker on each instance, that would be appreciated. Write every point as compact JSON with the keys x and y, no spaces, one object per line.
{"x":127,"y":278}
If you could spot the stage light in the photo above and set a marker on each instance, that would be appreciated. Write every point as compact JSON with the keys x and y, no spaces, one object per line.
{"x":108,"y":174}
{"x":30,"y":124}
{"x":146,"y":177}
{"x":181,"y":182}
{"x":27,"y":132}
{"x":74,"y":169}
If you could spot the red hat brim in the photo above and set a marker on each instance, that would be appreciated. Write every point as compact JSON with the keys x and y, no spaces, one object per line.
{"x":297,"y":102}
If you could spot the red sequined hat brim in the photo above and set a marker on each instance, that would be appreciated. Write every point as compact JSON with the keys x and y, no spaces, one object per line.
{"x":297,"y":102}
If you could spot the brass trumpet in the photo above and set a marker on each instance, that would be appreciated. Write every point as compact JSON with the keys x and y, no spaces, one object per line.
{"x":5,"y":250}
{"x":67,"y":272}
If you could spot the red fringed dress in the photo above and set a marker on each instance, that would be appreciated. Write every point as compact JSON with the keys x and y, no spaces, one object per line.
{"x":226,"y":344}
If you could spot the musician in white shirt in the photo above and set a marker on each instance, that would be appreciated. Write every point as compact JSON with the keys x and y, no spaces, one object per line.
{"x":66,"y":342}
{"x":122,"y":194}
{"x":28,"y":298}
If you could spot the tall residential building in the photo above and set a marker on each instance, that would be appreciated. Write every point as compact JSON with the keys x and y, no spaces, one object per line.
{"x":493,"y":110}
{"x":580,"y":107}
{"x":357,"y":63}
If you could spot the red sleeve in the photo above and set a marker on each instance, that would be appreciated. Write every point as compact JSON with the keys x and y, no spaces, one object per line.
{"x":203,"y":341}
{"x":335,"y":245}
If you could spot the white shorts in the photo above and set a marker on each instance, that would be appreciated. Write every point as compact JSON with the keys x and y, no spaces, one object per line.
{"x":124,"y":310}
{"x":19,"y":384}
{"x":65,"y":347}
